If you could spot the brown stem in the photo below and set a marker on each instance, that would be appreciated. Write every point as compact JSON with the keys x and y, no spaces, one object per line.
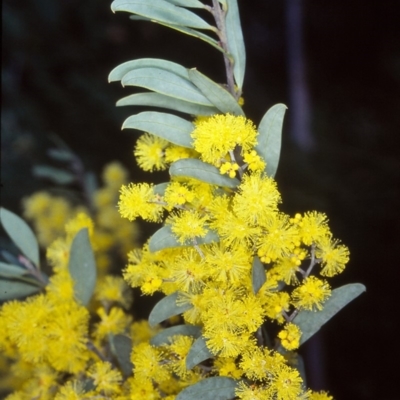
{"x":219,"y":16}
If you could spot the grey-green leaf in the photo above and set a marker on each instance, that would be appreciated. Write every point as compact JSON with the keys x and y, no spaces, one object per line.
{"x":164,"y":239}
{"x":82,"y":266}
{"x":164,"y":336}
{"x":161,"y":188}
{"x":167,"y":308}
{"x":194,"y":33}
{"x":167,"y":126}
{"x":198,"y":353}
{"x":164,"y":101}
{"x":197,"y":169}
{"x":56,"y":175}
{"x":21,"y":234}
{"x":270,"y":137}
{"x":165,"y":82}
{"x":12,"y":271}
{"x":14,"y":289}
{"x":214,"y":388}
{"x":310,"y":322}
{"x":187,"y":3}
{"x":61,"y":154}
{"x":258,"y":275}
{"x":217,"y":95}
{"x":161,"y":10}
{"x":121,"y":70}
{"x":235,"y":41}
{"x":122,"y":348}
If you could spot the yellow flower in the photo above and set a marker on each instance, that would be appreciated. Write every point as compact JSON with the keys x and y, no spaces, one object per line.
{"x":290,"y":336}
{"x":106,"y":379}
{"x":187,"y":225}
{"x":138,"y":201}
{"x":115,"y":322}
{"x":79,"y":222}
{"x":260,"y":363}
{"x":287,"y":384}
{"x":174,"y":153}
{"x":280,"y":239}
{"x":254,"y":161}
{"x":177,"y":194}
{"x":149,"y":152}
{"x":147,"y":361}
{"x":334,"y":256}
{"x":176,"y":353}
{"x":311,"y":294}
{"x":319,"y":395}
{"x":229,"y":169}
{"x":257,"y":199}
{"x":72,"y":390}
{"x":313,"y":227}
{"x":215,"y":136}
{"x":112,"y":289}
{"x":114,"y":175}
{"x":226,"y":366}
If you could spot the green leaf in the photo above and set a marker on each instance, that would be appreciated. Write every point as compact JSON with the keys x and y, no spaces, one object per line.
{"x":194,"y":33}
{"x":198,"y":353}
{"x":310,"y":322}
{"x":214,"y":388}
{"x":161,"y":188}
{"x":165,"y":82}
{"x":121,"y":70}
{"x":13,"y":289}
{"x":270,"y":137}
{"x":258,"y":275}
{"x":82,"y":266}
{"x":163,"y":101}
{"x":56,"y":175}
{"x":160,"y":10}
{"x":167,"y":126}
{"x":164,"y":336}
{"x":235,"y":41}
{"x":197,"y":169}
{"x":122,"y":349}
{"x":21,"y":234}
{"x":61,"y":154}
{"x":167,"y":308}
{"x":12,"y":271}
{"x":217,"y":95}
{"x":187,"y":3}
{"x":164,"y":239}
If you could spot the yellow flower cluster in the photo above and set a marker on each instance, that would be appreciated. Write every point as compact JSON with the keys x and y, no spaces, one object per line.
{"x":50,"y":344}
{"x":214,"y":276}
{"x":113,"y":234}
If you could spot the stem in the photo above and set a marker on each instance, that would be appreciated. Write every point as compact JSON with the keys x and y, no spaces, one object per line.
{"x":219,"y":16}
{"x":90,"y":345}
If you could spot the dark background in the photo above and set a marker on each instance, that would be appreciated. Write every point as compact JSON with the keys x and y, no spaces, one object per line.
{"x":57,"y":55}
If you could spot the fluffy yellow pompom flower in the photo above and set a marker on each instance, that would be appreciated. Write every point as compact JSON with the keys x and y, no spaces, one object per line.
{"x":290,"y":336}
{"x":187,"y":225}
{"x":148,"y":363}
{"x":106,"y":380}
{"x":138,"y":201}
{"x":334,"y":256}
{"x":257,"y":199}
{"x":311,"y":294}
{"x":287,"y":384}
{"x":149,"y":152}
{"x":313,"y":226}
{"x":214,"y":137}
